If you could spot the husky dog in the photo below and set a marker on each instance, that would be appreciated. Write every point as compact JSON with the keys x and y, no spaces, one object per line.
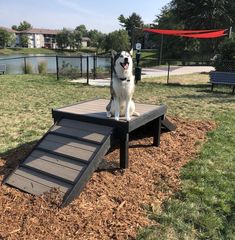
{"x":122,"y":87}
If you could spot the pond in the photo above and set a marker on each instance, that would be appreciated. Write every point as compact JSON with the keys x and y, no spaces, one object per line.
{"x":16,"y":63}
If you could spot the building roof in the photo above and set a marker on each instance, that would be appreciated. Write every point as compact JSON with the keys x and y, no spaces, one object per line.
{"x":42,"y":31}
{"x":86,"y":39}
{"x":9,"y":29}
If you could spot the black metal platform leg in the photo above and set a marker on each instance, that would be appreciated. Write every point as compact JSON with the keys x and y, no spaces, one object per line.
{"x":157,"y":131}
{"x":212,"y":86}
{"x":124,"y":144}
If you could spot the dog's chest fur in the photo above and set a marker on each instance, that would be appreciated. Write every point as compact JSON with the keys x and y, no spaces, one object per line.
{"x":123,"y":89}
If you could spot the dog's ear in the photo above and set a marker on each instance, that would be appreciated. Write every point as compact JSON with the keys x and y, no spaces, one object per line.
{"x":114,"y":53}
{"x":131,"y":52}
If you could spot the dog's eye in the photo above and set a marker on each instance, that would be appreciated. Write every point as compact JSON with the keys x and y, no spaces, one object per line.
{"x":121,"y":56}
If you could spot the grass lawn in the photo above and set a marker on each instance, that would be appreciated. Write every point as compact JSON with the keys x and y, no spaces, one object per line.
{"x":204,"y":208}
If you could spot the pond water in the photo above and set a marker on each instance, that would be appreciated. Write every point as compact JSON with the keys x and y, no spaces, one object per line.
{"x":16,"y":63}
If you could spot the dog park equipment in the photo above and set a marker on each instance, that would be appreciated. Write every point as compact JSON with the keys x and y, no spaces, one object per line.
{"x":222,"y":78}
{"x":73,"y":147}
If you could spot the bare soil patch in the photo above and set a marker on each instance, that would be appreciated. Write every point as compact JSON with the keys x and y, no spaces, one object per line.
{"x":113,"y":204}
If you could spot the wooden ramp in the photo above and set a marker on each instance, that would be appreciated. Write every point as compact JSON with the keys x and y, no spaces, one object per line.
{"x":168,"y":125}
{"x":64,"y":158}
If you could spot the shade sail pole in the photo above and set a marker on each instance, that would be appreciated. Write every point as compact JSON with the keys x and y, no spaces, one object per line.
{"x":160,"y":52}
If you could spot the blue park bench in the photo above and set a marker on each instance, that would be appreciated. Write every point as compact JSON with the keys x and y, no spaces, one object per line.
{"x":222,"y":78}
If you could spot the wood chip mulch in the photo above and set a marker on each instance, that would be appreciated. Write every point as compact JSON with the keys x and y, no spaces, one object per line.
{"x":113,"y":204}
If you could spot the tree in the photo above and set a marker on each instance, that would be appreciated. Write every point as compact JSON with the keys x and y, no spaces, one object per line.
{"x":77,"y":38}
{"x":117,"y":40}
{"x":6,"y":38}
{"x":224,"y":59}
{"x":174,"y":47}
{"x":133,"y":25}
{"x":192,"y":14}
{"x":67,"y":38}
{"x":82,"y":29}
{"x":227,"y":49}
{"x":204,"y":14}
{"x":22,"y":27}
{"x":24,"y":40}
{"x":97,"y":38}
{"x":14,"y":27}
{"x":62,"y":38}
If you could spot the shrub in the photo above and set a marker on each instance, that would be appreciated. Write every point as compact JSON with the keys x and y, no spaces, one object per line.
{"x":28,"y":68}
{"x":227,"y":49}
{"x":69,"y":70}
{"x":224,"y":61}
{"x":42,"y":67}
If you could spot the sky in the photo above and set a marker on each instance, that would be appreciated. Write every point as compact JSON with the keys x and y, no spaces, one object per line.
{"x":94,"y":14}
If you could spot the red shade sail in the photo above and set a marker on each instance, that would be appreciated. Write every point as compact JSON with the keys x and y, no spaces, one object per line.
{"x":190,"y":33}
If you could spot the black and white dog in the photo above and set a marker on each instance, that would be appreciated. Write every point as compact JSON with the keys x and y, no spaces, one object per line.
{"x":122,"y":87}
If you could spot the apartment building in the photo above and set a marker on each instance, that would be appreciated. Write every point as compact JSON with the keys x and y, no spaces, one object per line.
{"x":40,"y":38}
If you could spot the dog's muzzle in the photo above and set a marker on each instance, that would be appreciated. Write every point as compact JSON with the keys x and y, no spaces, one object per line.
{"x":125,"y":64}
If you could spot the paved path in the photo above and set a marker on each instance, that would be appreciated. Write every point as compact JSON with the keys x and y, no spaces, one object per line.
{"x":174,"y":70}
{"x":154,"y":72}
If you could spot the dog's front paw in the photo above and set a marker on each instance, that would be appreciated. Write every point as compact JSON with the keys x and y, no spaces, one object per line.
{"x":128,"y":119}
{"x":117,"y":118}
{"x":108,"y":114}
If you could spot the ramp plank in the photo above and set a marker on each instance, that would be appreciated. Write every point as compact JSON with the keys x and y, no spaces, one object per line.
{"x":79,"y":133}
{"x":52,"y":168}
{"x":34,"y":182}
{"x":27,"y":185}
{"x":66,"y":162}
{"x":91,"y":127}
{"x":67,"y":150}
{"x":72,"y":142}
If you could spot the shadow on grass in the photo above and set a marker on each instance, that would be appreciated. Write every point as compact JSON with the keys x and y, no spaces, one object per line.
{"x":177,"y":85}
{"x":220,"y":91}
{"x":13,"y":157}
{"x":218,"y":97}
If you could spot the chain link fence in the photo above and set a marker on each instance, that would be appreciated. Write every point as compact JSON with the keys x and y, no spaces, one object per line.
{"x":224,"y":65}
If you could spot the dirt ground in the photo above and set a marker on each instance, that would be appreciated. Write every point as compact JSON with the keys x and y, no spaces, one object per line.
{"x":114,"y":202}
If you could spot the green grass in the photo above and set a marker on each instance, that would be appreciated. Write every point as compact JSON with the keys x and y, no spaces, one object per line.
{"x":26,"y":102}
{"x":148,"y":57}
{"x":204,"y":208}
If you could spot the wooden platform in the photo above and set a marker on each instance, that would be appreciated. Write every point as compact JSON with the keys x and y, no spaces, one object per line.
{"x":94,"y":112}
{"x":71,"y":150}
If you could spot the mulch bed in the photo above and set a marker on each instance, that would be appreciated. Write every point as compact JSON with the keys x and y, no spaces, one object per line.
{"x":113,"y":204}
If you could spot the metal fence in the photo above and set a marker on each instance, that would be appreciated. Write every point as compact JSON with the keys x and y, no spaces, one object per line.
{"x":224,"y":65}
{"x":89,"y":66}
{"x":83,"y":67}
{"x":98,"y":67}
